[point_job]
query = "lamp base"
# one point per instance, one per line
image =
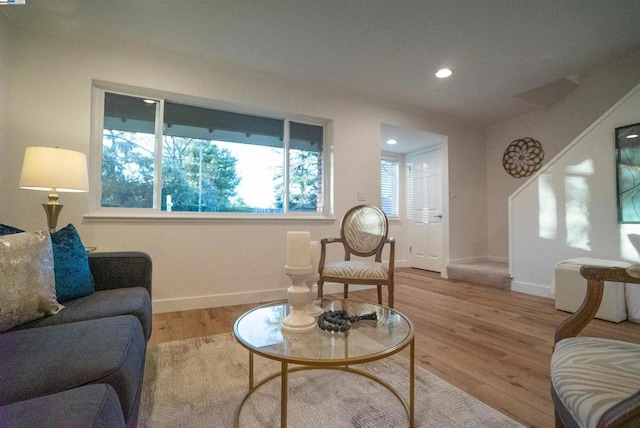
(53, 211)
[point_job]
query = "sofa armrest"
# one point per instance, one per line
(121, 269)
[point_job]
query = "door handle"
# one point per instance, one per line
(438, 216)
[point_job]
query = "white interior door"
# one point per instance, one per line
(424, 209)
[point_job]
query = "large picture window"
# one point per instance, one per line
(166, 156)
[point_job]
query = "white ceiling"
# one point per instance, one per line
(501, 51)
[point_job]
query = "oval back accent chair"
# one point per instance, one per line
(595, 382)
(363, 233)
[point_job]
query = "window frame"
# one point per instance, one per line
(99, 213)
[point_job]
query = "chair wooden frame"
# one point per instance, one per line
(349, 251)
(627, 412)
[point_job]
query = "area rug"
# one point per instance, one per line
(199, 383)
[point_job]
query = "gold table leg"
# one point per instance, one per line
(284, 387)
(250, 370)
(412, 369)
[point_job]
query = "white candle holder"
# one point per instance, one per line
(311, 307)
(298, 320)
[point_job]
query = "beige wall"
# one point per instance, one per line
(4, 82)
(569, 209)
(222, 262)
(599, 89)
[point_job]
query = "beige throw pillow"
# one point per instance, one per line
(27, 279)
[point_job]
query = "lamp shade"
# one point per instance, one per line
(46, 168)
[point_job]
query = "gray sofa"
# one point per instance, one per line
(83, 366)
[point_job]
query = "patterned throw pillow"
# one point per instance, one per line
(71, 263)
(27, 280)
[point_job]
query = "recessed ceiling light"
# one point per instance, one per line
(443, 73)
(391, 142)
(632, 136)
(149, 101)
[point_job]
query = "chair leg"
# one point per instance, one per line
(390, 286)
(320, 284)
(379, 294)
(346, 291)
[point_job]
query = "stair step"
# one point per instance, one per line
(493, 274)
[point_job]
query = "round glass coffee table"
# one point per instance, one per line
(259, 331)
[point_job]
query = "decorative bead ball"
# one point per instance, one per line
(340, 320)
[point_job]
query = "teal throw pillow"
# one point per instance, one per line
(71, 265)
(8, 230)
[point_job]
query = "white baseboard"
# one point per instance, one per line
(534, 289)
(230, 299)
(400, 263)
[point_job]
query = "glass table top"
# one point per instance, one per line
(259, 331)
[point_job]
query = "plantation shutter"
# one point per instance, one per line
(389, 187)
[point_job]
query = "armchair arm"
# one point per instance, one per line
(121, 269)
(323, 250)
(392, 254)
(596, 277)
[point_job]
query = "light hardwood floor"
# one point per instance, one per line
(494, 344)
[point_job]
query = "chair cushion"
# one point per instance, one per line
(590, 375)
(87, 406)
(46, 360)
(356, 270)
(106, 303)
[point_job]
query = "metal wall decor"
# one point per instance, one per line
(628, 173)
(523, 157)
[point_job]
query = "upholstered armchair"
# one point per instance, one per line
(595, 382)
(363, 233)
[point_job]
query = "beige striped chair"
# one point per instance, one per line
(595, 382)
(363, 233)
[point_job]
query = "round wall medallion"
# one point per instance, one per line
(523, 157)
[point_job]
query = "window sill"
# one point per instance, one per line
(193, 218)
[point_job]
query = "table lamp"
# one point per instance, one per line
(54, 170)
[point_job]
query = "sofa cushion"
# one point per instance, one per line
(73, 277)
(106, 303)
(46, 360)
(26, 278)
(87, 406)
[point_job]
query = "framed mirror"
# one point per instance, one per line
(628, 173)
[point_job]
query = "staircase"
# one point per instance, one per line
(493, 274)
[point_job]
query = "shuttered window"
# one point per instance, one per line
(389, 173)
